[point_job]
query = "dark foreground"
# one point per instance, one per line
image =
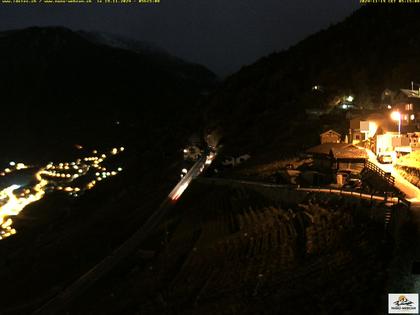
(231, 250)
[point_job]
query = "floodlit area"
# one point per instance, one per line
(411, 191)
(73, 178)
(188, 175)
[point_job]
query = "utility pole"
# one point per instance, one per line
(415, 84)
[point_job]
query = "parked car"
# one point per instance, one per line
(385, 159)
(353, 183)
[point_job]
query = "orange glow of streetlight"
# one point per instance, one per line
(396, 116)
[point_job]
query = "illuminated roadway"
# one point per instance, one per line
(411, 191)
(194, 171)
(72, 178)
(59, 302)
(402, 269)
(409, 281)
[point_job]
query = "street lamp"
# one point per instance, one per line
(397, 116)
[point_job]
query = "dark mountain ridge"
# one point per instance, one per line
(119, 41)
(59, 89)
(56, 46)
(375, 48)
(69, 87)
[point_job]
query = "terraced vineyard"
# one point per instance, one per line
(234, 250)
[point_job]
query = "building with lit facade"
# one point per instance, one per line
(407, 103)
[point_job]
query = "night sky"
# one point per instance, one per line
(220, 34)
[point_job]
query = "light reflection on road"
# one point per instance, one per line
(195, 170)
(73, 178)
(412, 192)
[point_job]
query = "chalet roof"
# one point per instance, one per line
(350, 152)
(331, 131)
(325, 148)
(410, 93)
(339, 151)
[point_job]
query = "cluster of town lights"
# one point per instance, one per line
(52, 177)
(13, 166)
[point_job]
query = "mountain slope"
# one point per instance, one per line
(375, 48)
(58, 89)
(59, 82)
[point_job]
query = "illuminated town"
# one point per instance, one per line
(203, 158)
(387, 134)
(73, 178)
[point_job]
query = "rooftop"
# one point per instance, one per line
(339, 151)
(326, 148)
(331, 131)
(350, 152)
(411, 93)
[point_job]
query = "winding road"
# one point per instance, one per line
(64, 298)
